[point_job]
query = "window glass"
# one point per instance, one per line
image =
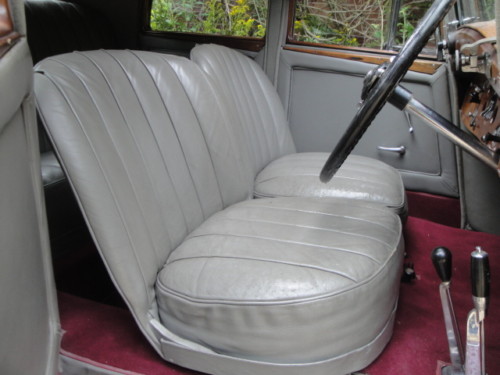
(487, 9)
(355, 23)
(242, 18)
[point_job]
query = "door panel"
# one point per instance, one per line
(29, 336)
(321, 93)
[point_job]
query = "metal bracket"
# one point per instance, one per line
(471, 62)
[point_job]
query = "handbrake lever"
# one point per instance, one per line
(480, 280)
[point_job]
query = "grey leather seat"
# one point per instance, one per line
(279, 170)
(217, 282)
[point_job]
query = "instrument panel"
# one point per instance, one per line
(480, 114)
(476, 63)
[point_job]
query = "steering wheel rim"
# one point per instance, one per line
(378, 95)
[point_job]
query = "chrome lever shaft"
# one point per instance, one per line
(452, 333)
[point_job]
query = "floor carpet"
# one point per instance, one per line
(419, 340)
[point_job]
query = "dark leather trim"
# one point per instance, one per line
(56, 27)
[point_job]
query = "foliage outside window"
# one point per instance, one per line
(355, 23)
(242, 18)
(487, 10)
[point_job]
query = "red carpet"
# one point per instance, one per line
(108, 334)
(436, 208)
(419, 339)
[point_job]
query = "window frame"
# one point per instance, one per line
(238, 42)
(291, 41)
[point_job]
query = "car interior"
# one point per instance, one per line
(249, 187)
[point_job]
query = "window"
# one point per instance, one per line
(239, 18)
(357, 23)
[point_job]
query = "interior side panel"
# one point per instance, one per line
(321, 95)
(28, 313)
(29, 342)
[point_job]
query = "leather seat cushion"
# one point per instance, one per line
(359, 178)
(286, 280)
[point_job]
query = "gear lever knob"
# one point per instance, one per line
(480, 273)
(441, 258)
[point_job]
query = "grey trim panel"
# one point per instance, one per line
(28, 316)
(319, 90)
(480, 196)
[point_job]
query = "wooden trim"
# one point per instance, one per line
(248, 44)
(8, 37)
(6, 42)
(354, 49)
(6, 25)
(487, 28)
(291, 21)
(420, 66)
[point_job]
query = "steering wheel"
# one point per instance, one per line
(380, 83)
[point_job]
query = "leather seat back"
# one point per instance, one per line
(136, 154)
(257, 103)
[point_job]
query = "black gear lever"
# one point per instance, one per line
(441, 258)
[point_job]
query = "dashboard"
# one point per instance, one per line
(476, 64)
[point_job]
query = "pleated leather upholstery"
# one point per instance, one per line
(260, 112)
(132, 147)
(359, 178)
(285, 280)
(205, 270)
(262, 119)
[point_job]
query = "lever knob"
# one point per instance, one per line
(441, 258)
(480, 273)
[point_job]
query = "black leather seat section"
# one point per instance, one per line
(55, 27)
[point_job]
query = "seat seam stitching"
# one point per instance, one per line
(176, 133)
(263, 260)
(284, 241)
